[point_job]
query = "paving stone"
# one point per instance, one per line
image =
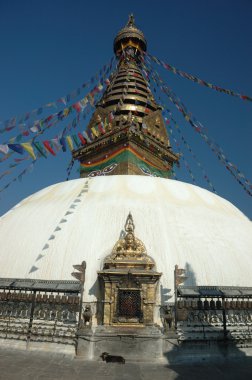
(30, 365)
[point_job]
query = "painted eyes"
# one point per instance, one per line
(104, 171)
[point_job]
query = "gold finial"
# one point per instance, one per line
(130, 240)
(131, 21)
(129, 225)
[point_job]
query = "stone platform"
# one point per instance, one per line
(149, 344)
(139, 343)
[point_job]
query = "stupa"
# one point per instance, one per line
(126, 259)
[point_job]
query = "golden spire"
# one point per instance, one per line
(127, 128)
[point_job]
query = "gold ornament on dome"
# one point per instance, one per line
(129, 251)
(129, 282)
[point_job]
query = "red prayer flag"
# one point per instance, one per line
(48, 147)
(101, 129)
(82, 139)
(77, 107)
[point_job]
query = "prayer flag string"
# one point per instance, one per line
(199, 128)
(52, 120)
(205, 176)
(194, 79)
(21, 121)
(28, 169)
(181, 154)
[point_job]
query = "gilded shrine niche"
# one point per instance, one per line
(129, 282)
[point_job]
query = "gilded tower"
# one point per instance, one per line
(127, 128)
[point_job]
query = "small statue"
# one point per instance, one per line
(87, 316)
(168, 318)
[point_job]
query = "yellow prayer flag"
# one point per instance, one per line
(29, 149)
(94, 131)
(66, 111)
(69, 142)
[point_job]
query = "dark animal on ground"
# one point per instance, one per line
(112, 358)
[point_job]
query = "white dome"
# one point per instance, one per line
(64, 224)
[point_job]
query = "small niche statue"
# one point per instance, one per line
(168, 318)
(87, 316)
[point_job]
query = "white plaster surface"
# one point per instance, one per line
(178, 223)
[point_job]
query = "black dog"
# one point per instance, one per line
(112, 358)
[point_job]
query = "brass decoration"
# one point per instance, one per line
(156, 127)
(130, 33)
(129, 281)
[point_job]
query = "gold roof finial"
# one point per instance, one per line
(130, 240)
(131, 22)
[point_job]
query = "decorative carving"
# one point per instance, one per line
(156, 127)
(129, 250)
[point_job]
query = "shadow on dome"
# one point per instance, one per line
(190, 274)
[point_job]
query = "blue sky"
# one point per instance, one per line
(49, 48)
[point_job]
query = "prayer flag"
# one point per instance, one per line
(62, 141)
(86, 136)
(69, 142)
(84, 101)
(101, 128)
(39, 148)
(94, 131)
(35, 128)
(77, 106)
(83, 141)
(48, 147)
(100, 87)
(74, 137)
(4, 148)
(17, 148)
(66, 111)
(56, 144)
(29, 149)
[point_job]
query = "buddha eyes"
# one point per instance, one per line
(109, 168)
(104, 171)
